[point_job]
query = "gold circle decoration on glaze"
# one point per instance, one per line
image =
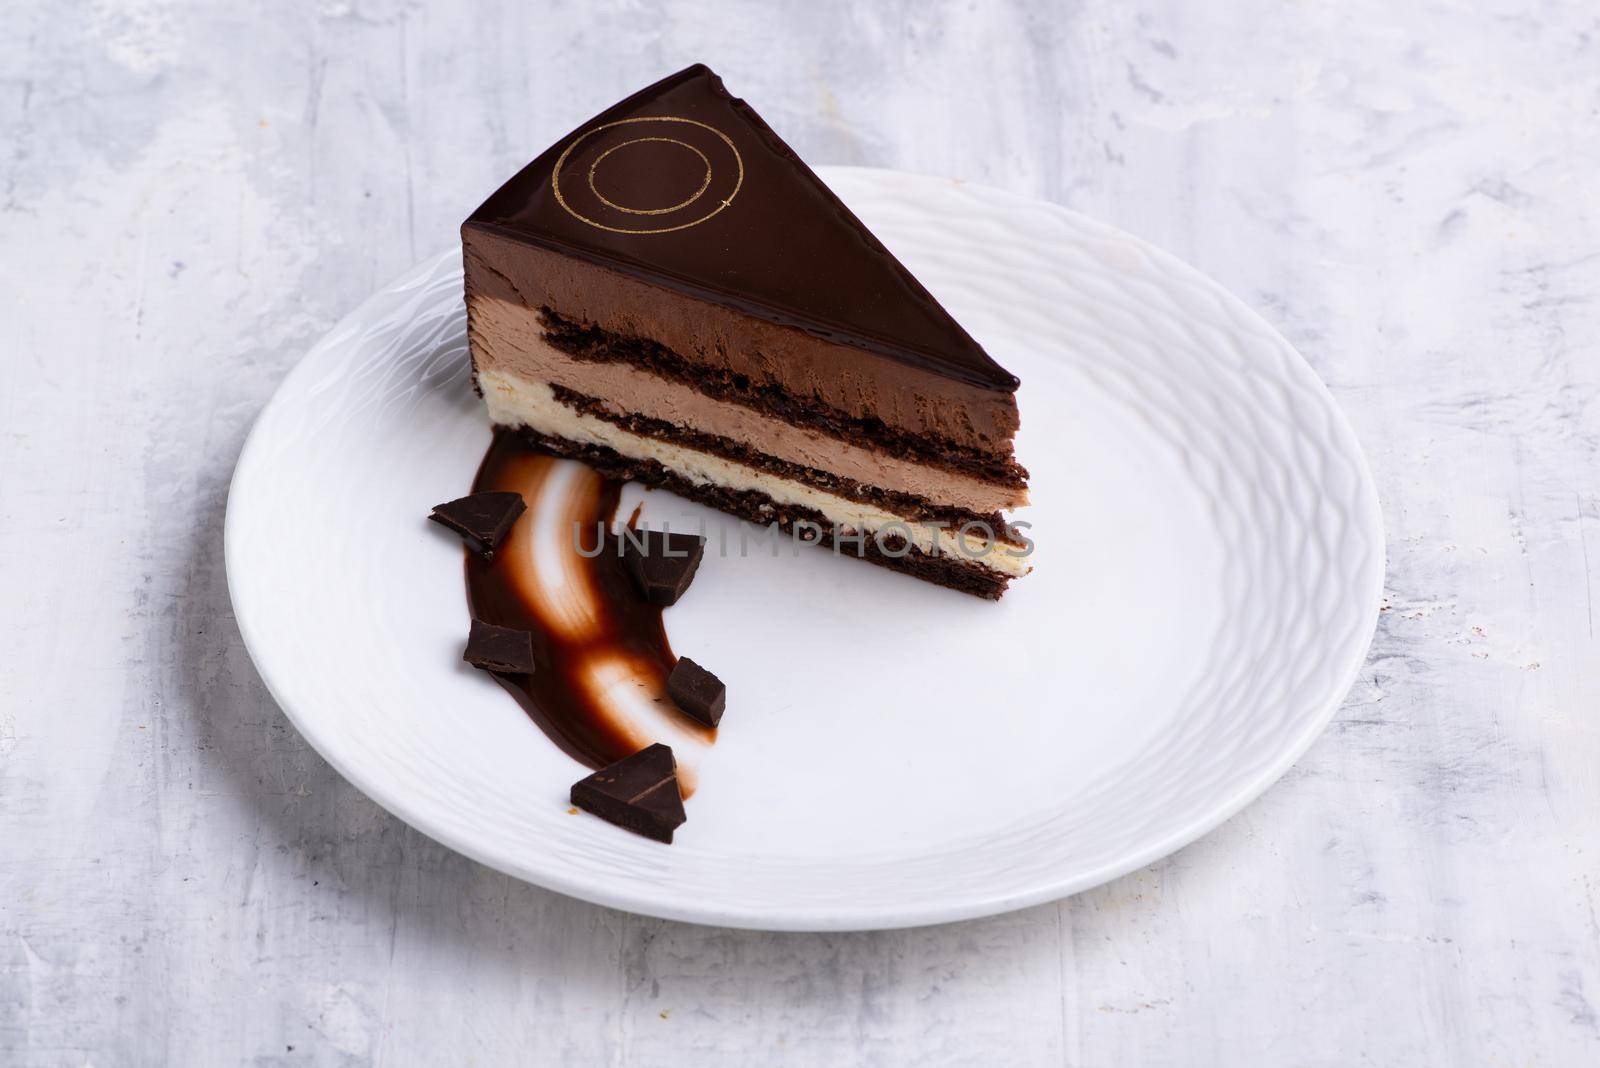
(705, 183)
(651, 214)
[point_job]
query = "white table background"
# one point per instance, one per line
(191, 192)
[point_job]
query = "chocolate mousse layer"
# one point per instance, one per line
(605, 314)
(586, 341)
(911, 507)
(504, 349)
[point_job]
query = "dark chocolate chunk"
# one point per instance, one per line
(662, 564)
(699, 693)
(638, 793)
(506, 650)
(482, 519)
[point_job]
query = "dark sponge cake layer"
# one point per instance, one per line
(944, 570)
(588, 341)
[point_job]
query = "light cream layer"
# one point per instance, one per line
(500, 330)
(514, 401)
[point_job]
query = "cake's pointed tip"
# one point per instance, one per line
(690, 73)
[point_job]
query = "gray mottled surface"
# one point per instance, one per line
(190, 193)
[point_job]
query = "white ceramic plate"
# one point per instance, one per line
(1206, 584)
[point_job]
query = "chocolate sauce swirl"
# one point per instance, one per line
(600, 691)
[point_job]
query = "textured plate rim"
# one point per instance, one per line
(910, 914)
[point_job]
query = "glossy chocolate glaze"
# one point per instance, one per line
(587, 621)
(685, 186)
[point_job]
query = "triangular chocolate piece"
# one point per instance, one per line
(686, 187)
(482, 519)
(638, 793)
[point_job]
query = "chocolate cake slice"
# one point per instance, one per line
(671, 295)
